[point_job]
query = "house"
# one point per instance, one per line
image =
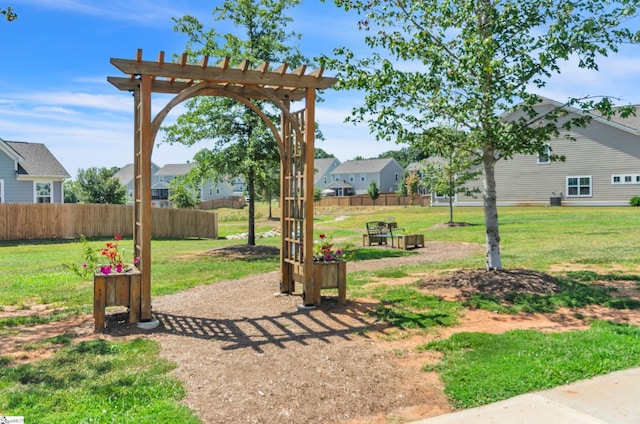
(160, 189)
(29, 173)
(126, 174)
(210, 190)
(322, 171)
(602, 167)
(419, 169)
(355, 176)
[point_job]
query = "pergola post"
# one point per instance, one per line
(143, 174)
(312, 296)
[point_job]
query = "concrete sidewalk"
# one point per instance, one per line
(610, 399)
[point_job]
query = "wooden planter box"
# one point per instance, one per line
(116, 290)
(330, 275)
(406, 240)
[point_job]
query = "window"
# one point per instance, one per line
(363, 177)
(625, 179)
(337, 177)
(579, 186)
(43, 192)
(324, 180)
(396, 176)
(1, 191)
(544, 157)
(352, 178)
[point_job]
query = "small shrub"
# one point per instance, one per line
(635, 201)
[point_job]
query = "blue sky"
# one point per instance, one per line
(55, 63)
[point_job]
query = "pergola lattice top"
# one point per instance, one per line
(172, 77)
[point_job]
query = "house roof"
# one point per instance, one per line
(363, 166)
(339, 184)
(631, 122)
(125, 174)
(415, 166)
(631, 125)
(38, 160)
(321, 166)
(175, 169)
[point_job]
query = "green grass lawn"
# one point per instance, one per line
(603, 242)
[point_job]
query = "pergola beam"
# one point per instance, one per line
(176, 86)
(243, 76)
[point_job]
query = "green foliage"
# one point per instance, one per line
(71, 192)
(635, 201)
(373, 190)
(475, 70)
(243, 144)
(92, 381)
(405, 155)
(9, 14)
(318, 153)
(98, 185)
(182, 195)
(481, 368)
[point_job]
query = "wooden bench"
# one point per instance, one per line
(406, 240)
(379, 232)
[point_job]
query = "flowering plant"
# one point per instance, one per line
(114, 255)
(323, 250)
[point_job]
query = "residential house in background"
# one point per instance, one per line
(322, 172)
(126, 174)
(602, 167)
(355, 176)
(418, 168)
(29, 173)
(210, 190)
(160, 190)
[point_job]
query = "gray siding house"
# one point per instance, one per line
(354, 176)
(126, 174)
(210, 190)
(323, 167)
(602, 167)
(29, 173)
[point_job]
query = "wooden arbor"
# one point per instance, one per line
(295, 141)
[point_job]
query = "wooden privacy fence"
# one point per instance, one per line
(23, 221)
(232, 202)
(385, 199)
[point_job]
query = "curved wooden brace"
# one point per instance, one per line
(205, 88)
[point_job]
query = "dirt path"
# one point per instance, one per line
(248, 355)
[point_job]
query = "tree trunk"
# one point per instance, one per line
(490, 209)
(451, 194)
(251, 238)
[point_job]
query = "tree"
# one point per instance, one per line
(98, 185)
(470, 64)
(373, 191)
(9, 14)
(318, 153)
(404, 156)
(71, 190)
(243, 145)
(182, 195)
(453, 165)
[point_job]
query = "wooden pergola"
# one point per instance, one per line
(245, 84)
